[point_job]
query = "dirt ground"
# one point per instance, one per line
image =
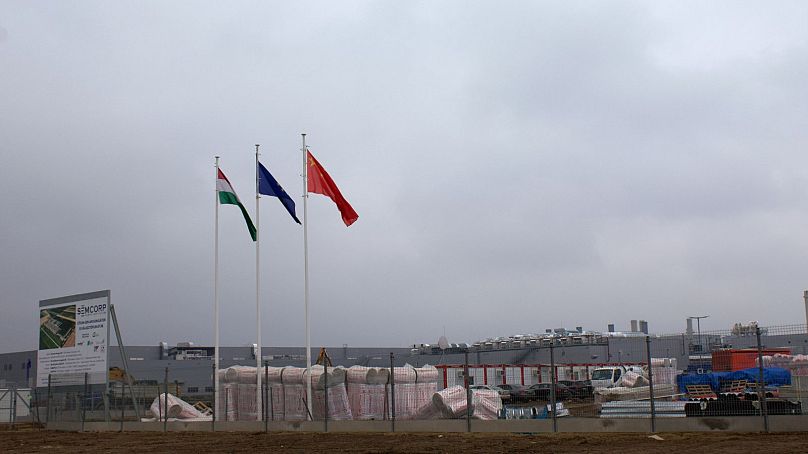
(29, 439)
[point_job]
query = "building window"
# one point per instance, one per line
(193, 389)
(208, 389)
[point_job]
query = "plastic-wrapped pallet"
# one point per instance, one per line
(367, 402)
(429, 411)
(366, 395)
(237, 393)
(338, 407)
(414, 387)
(633, 379)
(407, 402)
(486, 404)
(294, 407)
(452, 401)
(240, 374)
(274, 385)
(294, 394)
(228, 398)
(796, 364)
(177, 408)
(336, 376)
(246, 405)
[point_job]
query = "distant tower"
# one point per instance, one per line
(611, 327)
(805, 297)
(644, 326)
(689, 326)
(634, 327)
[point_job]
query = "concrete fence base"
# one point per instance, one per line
(725, 424)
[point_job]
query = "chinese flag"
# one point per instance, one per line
(321, 183)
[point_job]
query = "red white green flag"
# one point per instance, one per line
(227, 196)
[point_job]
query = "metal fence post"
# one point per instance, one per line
(213, 403)
(165, 400)
(48, 405)
(12, 410)
(392, 394)
(553, 385)
(264, 406)
(650, 383)
(226, 403)
(123, 405)
(34, 389)
(325, 396)
(84, 402)
(761, 383)
(159, 416)
(468, 391)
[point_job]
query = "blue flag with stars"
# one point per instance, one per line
(268, 185)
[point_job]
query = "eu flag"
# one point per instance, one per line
(268, 185)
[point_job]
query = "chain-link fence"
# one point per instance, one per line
(747, 372)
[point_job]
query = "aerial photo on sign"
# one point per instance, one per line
(57, 327)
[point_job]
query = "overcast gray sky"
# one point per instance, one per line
(516, 165)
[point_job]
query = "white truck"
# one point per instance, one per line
(612, 376)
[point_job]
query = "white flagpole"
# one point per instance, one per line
(306, 271)
(216, 406)
(258, 389)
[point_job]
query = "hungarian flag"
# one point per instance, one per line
(321, 183)
(227, 196)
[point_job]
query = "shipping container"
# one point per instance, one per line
(732, 359)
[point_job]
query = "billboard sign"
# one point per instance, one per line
(73, 339)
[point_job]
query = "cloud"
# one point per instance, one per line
(515, 166)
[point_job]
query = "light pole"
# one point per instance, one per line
(698, 328)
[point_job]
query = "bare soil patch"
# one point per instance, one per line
(34, 440)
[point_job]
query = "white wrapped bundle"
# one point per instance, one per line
(246, 405)
(666, 375)
(293, 376)
(293, 407)
(177, 408)
(428, 410)
(338, 407)
(240, 374)
(426, 374)
(158, 407)
(640, 392)
(486, 403)
(799, 365)
(379, 376)
(404, 374)
(228, 401)
(423, 394)
(274, 374)
(367, 402)
(358, 374)
(451, 401)
(406, 400)
(336, 377)
(633, 379)
(410, 397)
(276, 397)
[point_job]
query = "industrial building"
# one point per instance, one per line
(190, 365)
